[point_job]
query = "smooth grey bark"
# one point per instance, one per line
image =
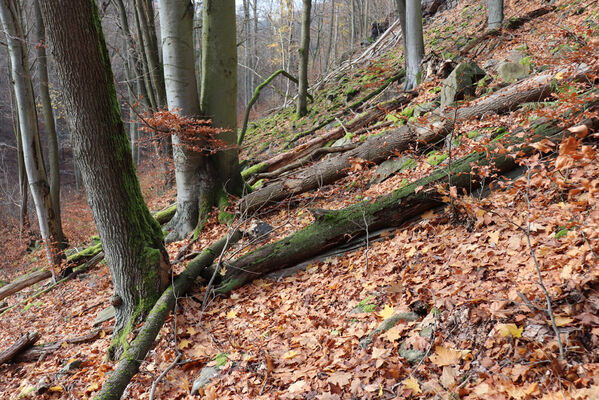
(41, 67)
(218, 99)
(22, 173)
(176, 24)
(32, 151)
(414, 43)
(145, 12)
(304, 50)
(495, 14)
(331, 38)
(131, 238)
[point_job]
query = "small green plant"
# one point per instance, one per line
(221, 359)
(366, 306)
(561, 233)
(435, 158)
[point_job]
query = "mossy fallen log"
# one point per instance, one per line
(165, 215)
(366, 118)
(335, 227)
(133, 356)
(380, 148)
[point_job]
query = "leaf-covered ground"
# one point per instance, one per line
(467, 269)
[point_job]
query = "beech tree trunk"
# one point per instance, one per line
(46, 106)
(32, 152)
(118, 380)
(130, 236)
(218, 100)
(414, 43)
(176, 24)
(304, 51)
(495, 14)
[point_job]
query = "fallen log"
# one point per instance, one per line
(24, 282)
(338, 226)
(368, 117)
(71, 274)
(379, 148)
(352, 106)
(510, 24)
(25, 341)
(36, 353)
(299, 163)
(134, 354)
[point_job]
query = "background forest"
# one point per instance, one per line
(316, 199)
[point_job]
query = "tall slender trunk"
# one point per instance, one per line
(302, 101)
(131, 237)
(218, 99)
(414, 43)
(331, 39)
(495, 14)
(176, 24)
(145, 13)
(46, 106)
(32, 152)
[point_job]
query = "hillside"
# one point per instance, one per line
(448, 302)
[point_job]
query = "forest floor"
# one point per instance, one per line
(469, 269)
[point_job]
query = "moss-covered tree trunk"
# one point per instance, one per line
(339, 226)
(218, 99)
(131, 237)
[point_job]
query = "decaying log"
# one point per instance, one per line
(133, 356)
(37, 353)
(393, 210)
(379, 148)
(351, 107)
(299, 163)
(510, 24)
(25, 341)
(24, 282)
(370, 116)
(517, 22)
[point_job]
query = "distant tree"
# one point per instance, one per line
(131, 237)
(304, 50)
(41, 66)
(10, 16)
(495, 14)
(410, 15)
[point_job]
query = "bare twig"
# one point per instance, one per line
(538, 268)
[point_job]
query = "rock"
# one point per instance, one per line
(490, 64)
(512, 72)
(259, 229)
(104, 315)
(423, 108)
(410, 354)
(345, 140)
(206, 375)
(460, 82)
(70, 367)
(391, 166)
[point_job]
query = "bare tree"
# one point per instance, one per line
(304, 50)
(32, 151)
(495, 17)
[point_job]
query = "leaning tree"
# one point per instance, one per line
(131, 237)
